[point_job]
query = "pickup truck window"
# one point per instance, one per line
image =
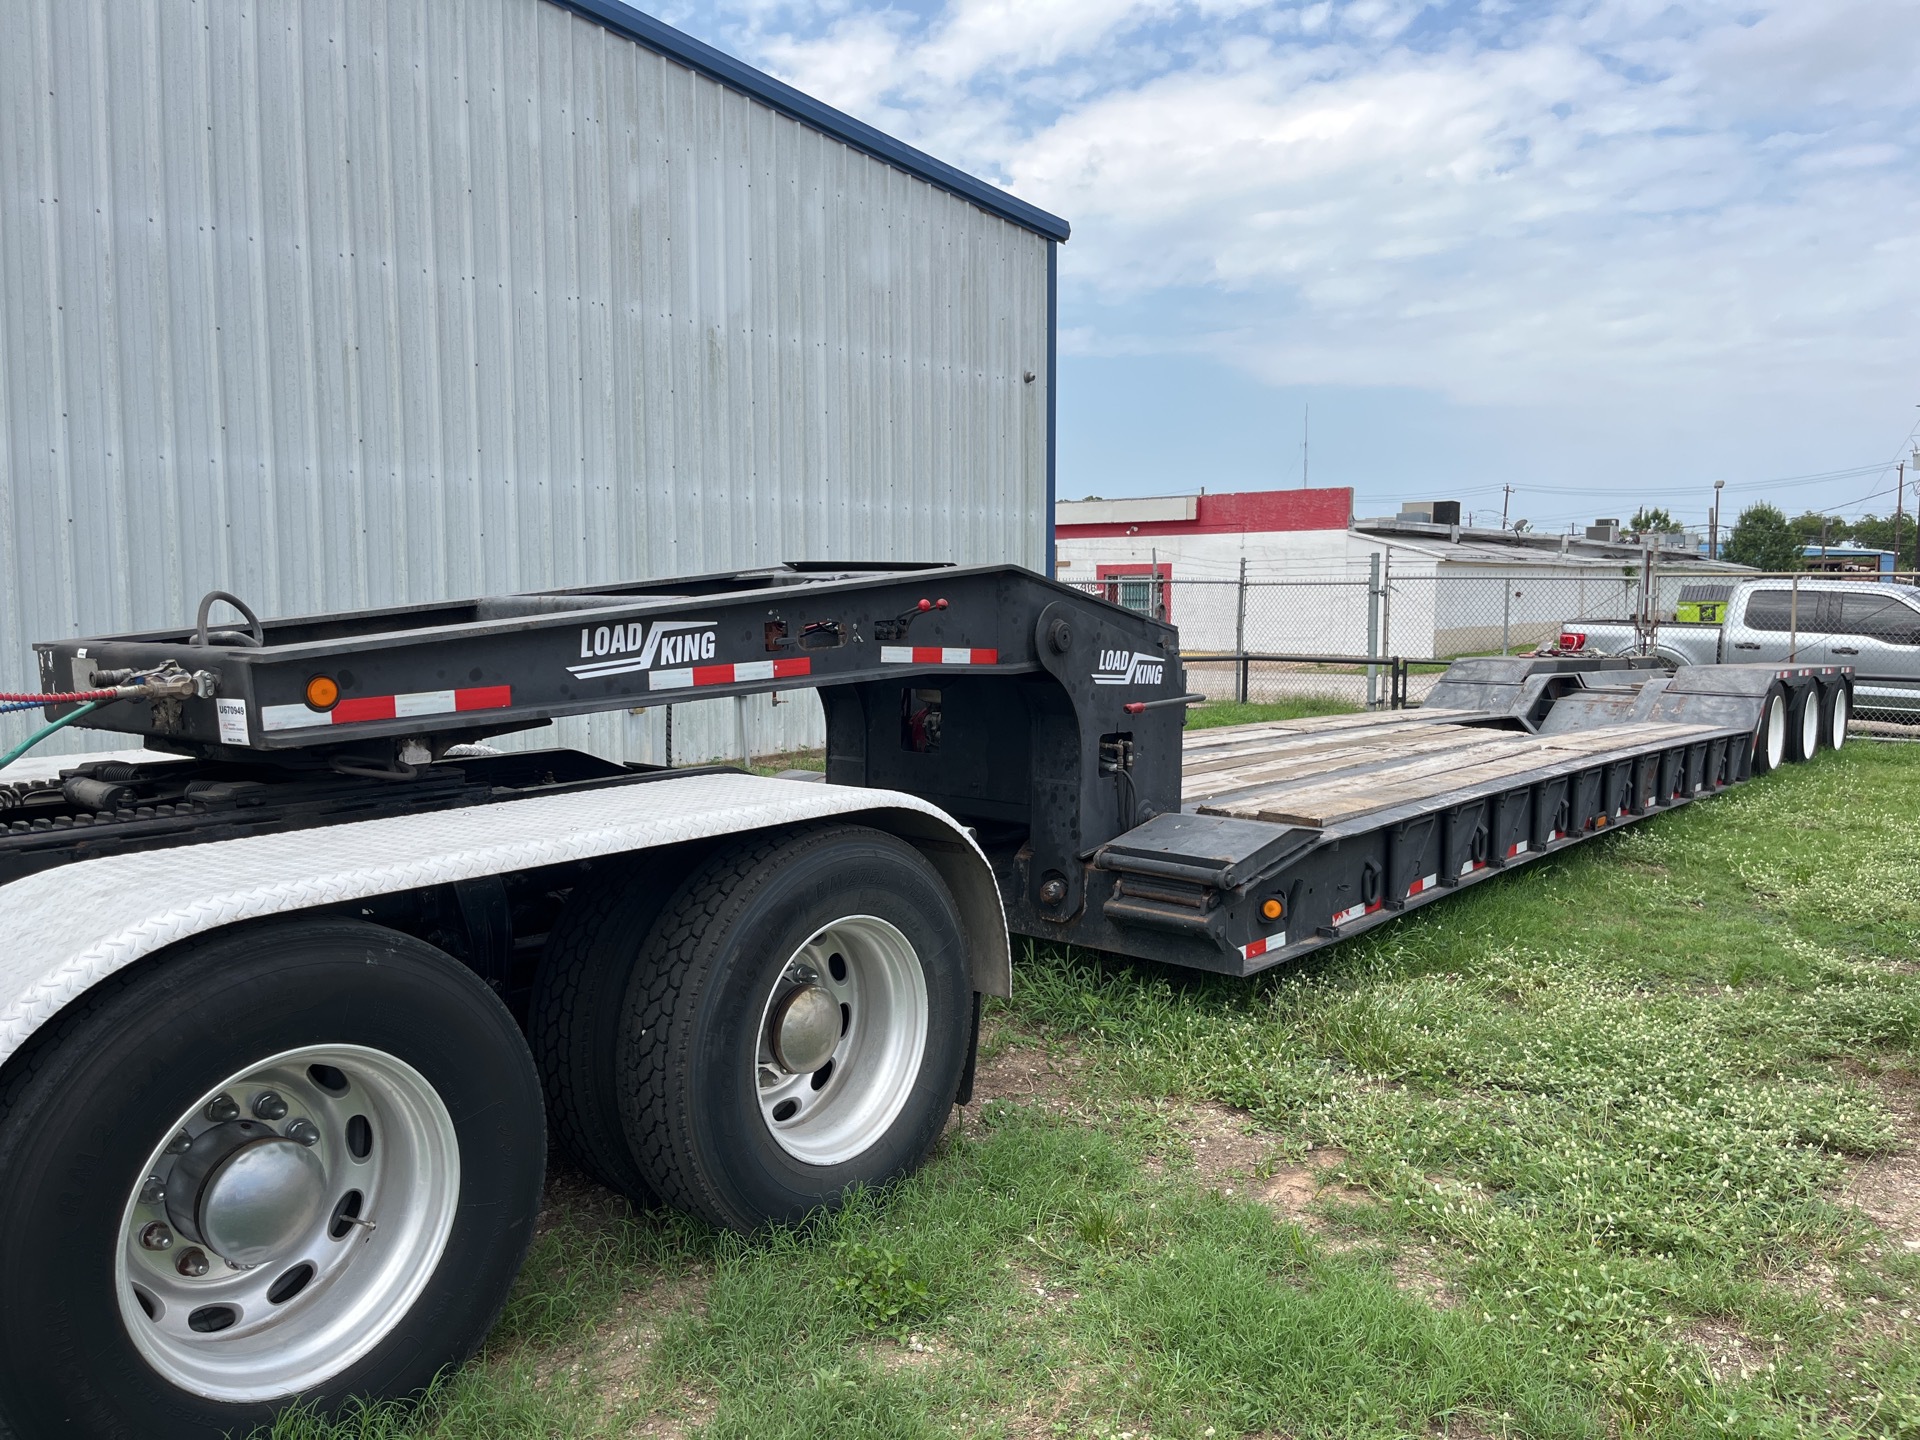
(1879, 617)
(1774, 610)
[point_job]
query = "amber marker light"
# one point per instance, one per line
(322, 693)
(1272, 909)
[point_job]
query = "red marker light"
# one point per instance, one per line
(940, 604)
(1134, 707)
(926, 605)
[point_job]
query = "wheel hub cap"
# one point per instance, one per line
(262, 1199)
(806, 1029)
(246, 1191)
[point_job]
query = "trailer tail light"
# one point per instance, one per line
(322, 692)
(1573, 640)
(1272, 908)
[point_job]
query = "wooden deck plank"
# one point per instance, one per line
(1219, 735)
(1241, 772)
(1344, 797)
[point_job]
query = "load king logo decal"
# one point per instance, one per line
(1129, 667)
(634, 646)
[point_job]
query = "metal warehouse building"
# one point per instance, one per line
(364, 302)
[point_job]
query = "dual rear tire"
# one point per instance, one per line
(791, 1022)
(303, 1160)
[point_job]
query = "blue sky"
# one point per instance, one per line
(1604, 251)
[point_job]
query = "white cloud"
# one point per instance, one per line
(1599, 197)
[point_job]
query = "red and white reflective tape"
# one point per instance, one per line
(355, 708)
(1473, 865)
(742, 673)
(1355, 912)
(1422, 885)
(1254, 949)
(936, 655)
(1553, 835)
(1519, 847)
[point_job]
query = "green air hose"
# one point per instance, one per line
(44, 731)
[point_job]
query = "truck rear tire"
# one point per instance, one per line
(798, 1026)
(294, 1161)
(1770, 736)
(578, 1007)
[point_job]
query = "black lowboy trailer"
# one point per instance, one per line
(290, 994)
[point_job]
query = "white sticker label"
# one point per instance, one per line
(233, 721)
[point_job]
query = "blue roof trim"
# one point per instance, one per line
(677, 45)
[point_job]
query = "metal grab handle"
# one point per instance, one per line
(256, 640)
(1746, 644)
(1845, 650)
(1135, 707)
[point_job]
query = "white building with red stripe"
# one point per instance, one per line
(1199, 544)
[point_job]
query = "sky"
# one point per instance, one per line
(1605, 252)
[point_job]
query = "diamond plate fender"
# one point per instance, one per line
(69, 928)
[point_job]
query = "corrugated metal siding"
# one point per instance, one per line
(375, 301)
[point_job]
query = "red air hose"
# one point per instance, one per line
(73, 699)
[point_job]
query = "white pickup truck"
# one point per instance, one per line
(1871, 625)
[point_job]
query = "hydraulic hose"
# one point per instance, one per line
(45, 730)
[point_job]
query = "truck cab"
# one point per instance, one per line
(1873, 627)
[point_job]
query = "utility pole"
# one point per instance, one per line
(1899, 496)
(1713, 525)
(1306, 418)
(1506, 496)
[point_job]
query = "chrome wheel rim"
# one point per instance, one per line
(332, 1173)
(1776, 737)
(1810, 727)
(826, 1111)
(1839, 721)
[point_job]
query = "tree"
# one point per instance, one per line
(1873, 533)
(1652, 522)
(1811, 529)
(1762, 538)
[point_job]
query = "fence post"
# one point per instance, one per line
(1793, 623)
(1386, 597)
(1506, 616)
(1373, 629)
(1240, 630)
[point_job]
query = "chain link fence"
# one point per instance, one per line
(1379, 635)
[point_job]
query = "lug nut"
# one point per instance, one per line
(305, 1131)
(192, 1263)
(222, 1108)
(180, 1144)
(153, 1191)
(269, 1106)
(156, 1237)
(1053, 892)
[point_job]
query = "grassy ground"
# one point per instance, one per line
(1622, 1144)
(1235, 712)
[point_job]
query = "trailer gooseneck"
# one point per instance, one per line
(348, 963)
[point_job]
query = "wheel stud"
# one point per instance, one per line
(156, 1237)
(222, 1108)
(305, 1131)
(192, 1263)
(269, 1106)
(153, 1191)
(180, 1144)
